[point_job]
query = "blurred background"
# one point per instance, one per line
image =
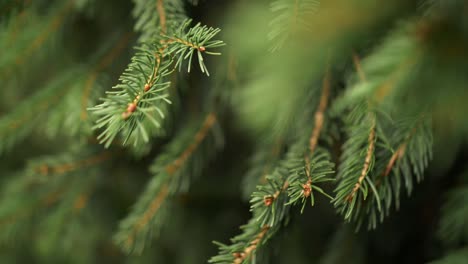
(65, 197)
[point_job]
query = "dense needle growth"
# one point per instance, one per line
(141, 131)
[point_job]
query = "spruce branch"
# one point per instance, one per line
(30, 40)
(155, 18)
(357, 164)
(386, 70)
(315, 167)
(269, 208)
(100, 66)
(21, 121)
(270, 204)
(141, 99)
(173, 169)
(388, 153)
(187, 40)
(305, 179)
(367, 160)
(43, 186)
(55, 168)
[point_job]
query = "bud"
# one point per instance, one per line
(268, 200)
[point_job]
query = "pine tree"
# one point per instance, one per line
(141, 131)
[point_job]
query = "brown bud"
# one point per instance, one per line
(131, 107)
(248, 250)
(236, 254)
(268, 200)
(201, 48)
(147, 87)
(306, 190)
(125, 115)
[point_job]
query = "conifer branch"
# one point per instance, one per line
(142, 93)
(319, 114)
(52, 26)
(367, 161)
(371, 139)
(58, 169)
(199, 137)
(162, 16)
(155, 18)
(46, 201)
(170, 172)
(240, 257)
(104, 63)
(271, 202)
(171, 169)
(151, 211)
(17, 124)
(395, 157)
(38, 195)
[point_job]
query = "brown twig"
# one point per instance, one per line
(319, 117)
(239, 257)
(171, 169)
(68, 167)
(269, 199)
(162, 16)
(201, 134)
(367, 161)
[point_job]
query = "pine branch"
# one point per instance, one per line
(103, 64)
(269, 208)
(21, 121)
(141, 99)
(187, 40)
(182, 160)
(356, 164)
(315, 167)
(270, 204)
(44, 186)
(29, 40)
(71, 113)
(389, 155)
(307, 176)
(155, 18)
(413, 138)
(386, 70)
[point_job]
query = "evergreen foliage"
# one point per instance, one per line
(122, 140)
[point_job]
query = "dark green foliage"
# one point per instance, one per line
(172, 171)
(377, 88)
(139, 104)
(18, 124)
(149, 68)
(307, 174)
